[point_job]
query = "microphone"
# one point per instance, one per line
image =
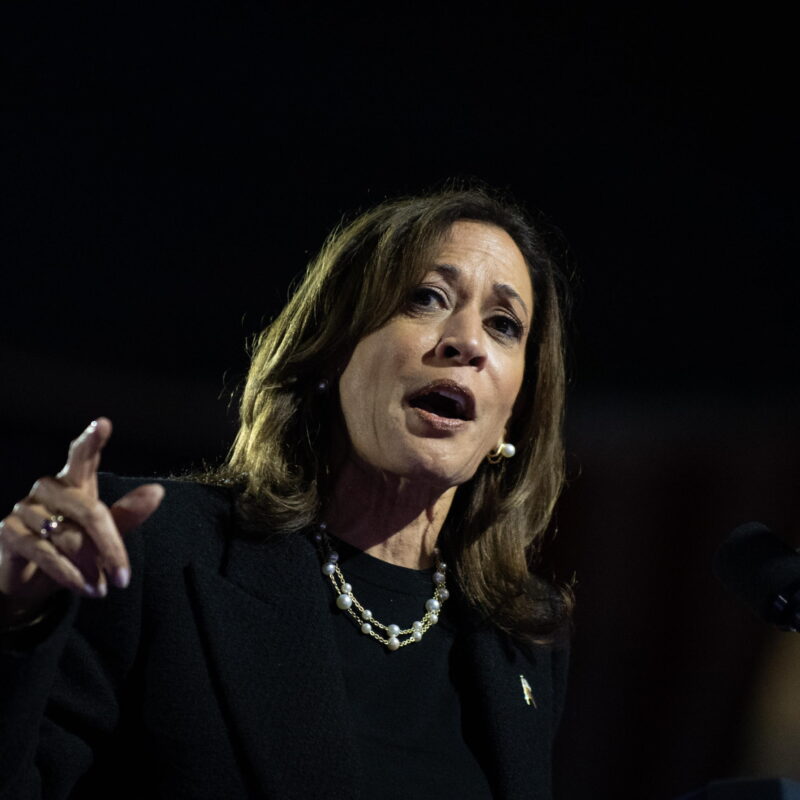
(764, 572)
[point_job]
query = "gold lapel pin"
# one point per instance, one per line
(527, 693)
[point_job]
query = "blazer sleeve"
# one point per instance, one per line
(62, 685)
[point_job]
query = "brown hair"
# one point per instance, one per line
(283, 452)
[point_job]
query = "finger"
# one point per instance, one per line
(20, 543)
(37, 518)
(134, 508)
(69, 540)
(83, 459)
(91, 515)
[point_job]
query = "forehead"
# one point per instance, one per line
(486, 253)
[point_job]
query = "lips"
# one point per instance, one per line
(444, 398)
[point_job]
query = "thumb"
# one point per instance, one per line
(134, 508)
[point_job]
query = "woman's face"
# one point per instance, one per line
(429, 394)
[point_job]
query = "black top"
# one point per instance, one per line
(218, 673)
(414, 739)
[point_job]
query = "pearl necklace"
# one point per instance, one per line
(388, 635)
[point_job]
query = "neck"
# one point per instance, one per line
(395, 519)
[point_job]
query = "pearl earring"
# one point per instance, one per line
(322, 386)
(503, 450)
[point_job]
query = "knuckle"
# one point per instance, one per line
(8, 533)
(96, 514)
(21, 508)
(71, 537)
(42, 485)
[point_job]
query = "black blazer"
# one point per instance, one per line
(216, 675)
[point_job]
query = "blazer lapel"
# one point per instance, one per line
(514, 691)
(278, 669)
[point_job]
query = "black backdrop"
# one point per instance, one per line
(168, 168)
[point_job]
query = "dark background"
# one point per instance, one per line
(169, 168)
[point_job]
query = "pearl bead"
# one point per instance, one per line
(416, 636)
(443, 594)
(328, 568)
(333, 557)
(508, 450)
(438, 577)
(323, 526)
(317, 537)
(392, 630)
(347, 588)
(417, 626)
(432, 604)
(393, 643)
(366, 614)
(366, 628)
(344, 601)
(434, 618)
(441, 566)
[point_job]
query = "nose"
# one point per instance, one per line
(463, 340)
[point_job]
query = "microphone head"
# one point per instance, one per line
(759, 568)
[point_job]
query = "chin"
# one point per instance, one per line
(439, 470)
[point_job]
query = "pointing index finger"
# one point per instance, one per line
(84, 455)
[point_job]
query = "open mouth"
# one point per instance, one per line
(446, 399)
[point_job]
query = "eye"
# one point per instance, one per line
(507, 326)
(425, 298)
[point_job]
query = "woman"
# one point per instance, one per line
(346, 606)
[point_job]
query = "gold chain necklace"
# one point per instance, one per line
(388, 635)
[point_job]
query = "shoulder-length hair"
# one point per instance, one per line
(284, 453)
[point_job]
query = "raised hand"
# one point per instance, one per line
(63, 535)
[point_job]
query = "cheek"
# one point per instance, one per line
(363, 382)
(353, 391)
(509, 388)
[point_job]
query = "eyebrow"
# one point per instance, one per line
(506, 290)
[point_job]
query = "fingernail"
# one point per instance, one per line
(90, 590)
(122, 577)
(91, 426)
